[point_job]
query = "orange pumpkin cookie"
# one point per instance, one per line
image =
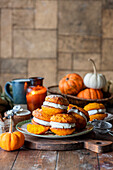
(62, 124)
(96, 111)
(39, 118)
(55, 104)
(38, 113)
(36, 129)
(90, 94)
(81, 115)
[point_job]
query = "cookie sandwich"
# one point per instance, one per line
(40, 124)
(40, 119)
(55, 104)
(96, 111)
(63, 124)
(81, 116)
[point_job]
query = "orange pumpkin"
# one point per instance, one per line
(71, 84)
(11, 141)
(90, 94)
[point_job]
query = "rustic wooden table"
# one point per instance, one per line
(24, 159)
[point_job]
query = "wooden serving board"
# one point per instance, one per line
(98, 146)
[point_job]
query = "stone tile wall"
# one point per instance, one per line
(51, 38)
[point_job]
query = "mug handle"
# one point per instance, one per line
(7, 90)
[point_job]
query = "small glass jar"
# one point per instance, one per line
(36, 93)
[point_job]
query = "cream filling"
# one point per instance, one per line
(42, 122)
(78, 112)
(62, 125)
(93, 112)
(57, 106)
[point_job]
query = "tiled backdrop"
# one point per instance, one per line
(51, 38)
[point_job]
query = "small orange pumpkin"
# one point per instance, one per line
(10, 141)
(90, 94)
(71, 84)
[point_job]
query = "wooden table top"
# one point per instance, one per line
(83, 159)
(55, 160)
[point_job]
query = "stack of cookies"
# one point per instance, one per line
(58, 116)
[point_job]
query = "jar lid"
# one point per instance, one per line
(18, 111)
(23, 113)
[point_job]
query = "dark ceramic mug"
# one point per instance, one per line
(19, 86)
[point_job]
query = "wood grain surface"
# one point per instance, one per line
(80, 159)
(32, 159)
(106, 161)
(49, 160)
(7, 159)
(83, 159)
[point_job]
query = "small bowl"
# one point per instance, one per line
(21, 116)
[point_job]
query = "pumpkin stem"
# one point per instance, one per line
(11, 125)
(94, 66)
